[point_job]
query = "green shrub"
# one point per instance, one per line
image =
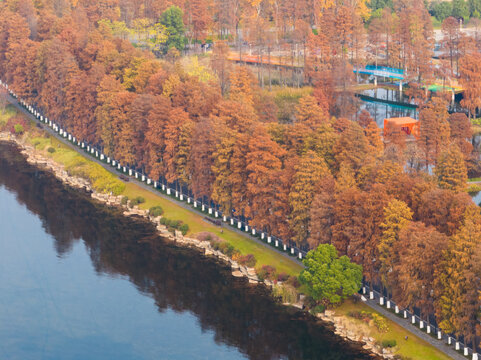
(287, 293)
(225, 248)
(124, 200)
(184, 229)
(19, 129)
(293, 281)
(361, 315)
(138, 200)
(267, 272)
(156, 211)
(380, 323)
(389, 343)
(248, 260)
(51, 150)
(319, 309)
(175, 223)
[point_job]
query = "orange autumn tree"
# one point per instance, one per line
(264, 164)
(309, 172)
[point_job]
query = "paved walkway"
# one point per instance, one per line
(449, 351)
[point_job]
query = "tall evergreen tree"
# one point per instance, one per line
(458, 281)
(309, 172)
(451, 170)
(396, 217)
(172, 20)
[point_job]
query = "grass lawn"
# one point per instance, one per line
(6, 113)
(245, 245)
(413, 348)
(436, 23)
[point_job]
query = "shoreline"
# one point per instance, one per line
(33, 157)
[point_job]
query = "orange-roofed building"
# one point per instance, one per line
(407, 125)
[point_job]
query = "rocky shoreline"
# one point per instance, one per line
(344, 331)
(35, 158)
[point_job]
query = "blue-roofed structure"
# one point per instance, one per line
(381, 71)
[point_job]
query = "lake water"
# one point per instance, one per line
(80, 281)
(380, 110)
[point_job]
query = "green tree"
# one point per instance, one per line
(379, 4)
(451, 170)
(329, 278)
(171, 19)
(396, 216)
(441, 10)
(460, 10)
(474, 7)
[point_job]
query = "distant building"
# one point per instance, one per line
(407, 125)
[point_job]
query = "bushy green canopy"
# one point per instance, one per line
(330, 278)
(174, 25)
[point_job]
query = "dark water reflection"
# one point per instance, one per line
(76, 301)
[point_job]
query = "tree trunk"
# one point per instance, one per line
(270, 65)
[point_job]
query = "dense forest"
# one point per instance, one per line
(302, 164)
